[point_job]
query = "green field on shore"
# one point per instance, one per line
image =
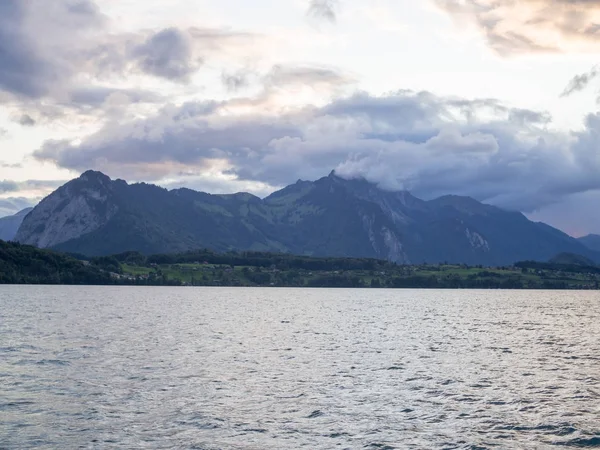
(426, 276)
(22, 264)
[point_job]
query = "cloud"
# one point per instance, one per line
(307, 75)
(11, 165)
(192, 139)
(3, 133)
(48, 45)
(18, 195)
(19, 63)
(237, 80)
(172, 54)
(26, 120)
(8, 186)
(290, 84)
(62, 59)
(216, 183)
(572, 214)
(168, 54)
(37, 39)
(531, 26)
(580, 82)
(323, 9)
(418, 141)
(12, 205)
(100, 95)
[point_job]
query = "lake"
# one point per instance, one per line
(238, 368)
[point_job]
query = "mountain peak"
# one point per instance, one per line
(77, 208)
(94, 175)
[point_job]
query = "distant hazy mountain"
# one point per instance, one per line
(332, 216)
(591, 241)
(10, 224)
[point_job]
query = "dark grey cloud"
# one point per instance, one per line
(98, 95)
(8, 186)
(187, 131)
(142, 148)
(82, 102)
(22, 70)
(11, 165)
(529, 26)
(41, 184)
(323, 9)
(580, 82)
(46, 44)
(60, 59)
(26, 120)
(172, 53)
(168, 54)
(31, 35)
(408, 140)
(236, 80)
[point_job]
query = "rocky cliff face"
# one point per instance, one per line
(77, 208)
(331, 216)
(10, 225)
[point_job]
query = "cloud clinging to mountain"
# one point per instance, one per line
(428, 144)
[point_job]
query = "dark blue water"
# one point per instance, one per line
(220, 368)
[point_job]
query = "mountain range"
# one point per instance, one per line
(94, 215)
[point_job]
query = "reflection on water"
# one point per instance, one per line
(216, 368)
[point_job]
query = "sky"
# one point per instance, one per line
(493, 99)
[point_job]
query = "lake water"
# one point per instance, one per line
(235, 368)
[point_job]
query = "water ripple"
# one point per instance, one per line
(212, 368)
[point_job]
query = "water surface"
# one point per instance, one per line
(235, 368)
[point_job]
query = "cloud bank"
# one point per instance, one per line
(428, 144)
